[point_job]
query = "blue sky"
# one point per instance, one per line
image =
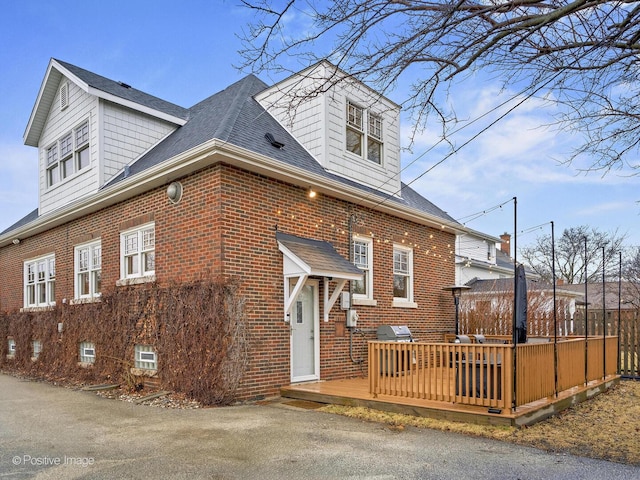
(185, 51)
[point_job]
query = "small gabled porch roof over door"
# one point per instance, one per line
(304, 258)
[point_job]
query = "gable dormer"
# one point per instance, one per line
(350, 129)
(87, 128)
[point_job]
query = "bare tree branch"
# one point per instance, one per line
(584, 54)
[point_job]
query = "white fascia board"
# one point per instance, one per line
(118, 100)
(293, 259)
(210, 153)
(333, 188)
(482, 236)
(45, 88)
(136, 106)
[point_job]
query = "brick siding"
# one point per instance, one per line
(225, 225)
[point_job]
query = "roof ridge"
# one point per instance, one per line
(244, 86)
(124, 91)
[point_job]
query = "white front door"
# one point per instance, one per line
(305, 335)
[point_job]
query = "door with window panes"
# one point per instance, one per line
(305, 336)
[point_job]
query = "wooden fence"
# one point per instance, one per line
(482, 374)
(627, 329)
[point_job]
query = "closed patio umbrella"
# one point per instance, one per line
(521, 305)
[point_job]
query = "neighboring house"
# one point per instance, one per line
(478, 258)
(624, 296)
(134, 189)
(489, 303)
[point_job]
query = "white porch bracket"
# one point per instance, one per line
(330, 302)
(290, 297)
(304, 258)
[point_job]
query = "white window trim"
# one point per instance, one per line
(365, 299)
(365, 130)
(401, 301)
(141, 275)
(85, 358)
(36, 348)
(49, 281)
(74, 155)
(147, 365)
(91, 246)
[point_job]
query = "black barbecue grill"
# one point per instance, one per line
(394, 363)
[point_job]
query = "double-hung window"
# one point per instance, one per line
(40, 281)
(137, 249)
(88, 270)
(364, 133)
(402, 274)
(68, 155)
(363, 259)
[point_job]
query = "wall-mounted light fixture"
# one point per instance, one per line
(312, 193)
(174, 192)
(16, 241)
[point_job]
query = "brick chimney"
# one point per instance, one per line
(505, 246)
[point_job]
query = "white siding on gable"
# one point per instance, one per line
(117, 137)
(81, 107)
(304, 119)
(476, 258)
(466, 272)
(126, 135)
(475, 248)
(319, 123)
(384, 177)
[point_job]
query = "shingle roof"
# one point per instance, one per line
(234, 116)
(124, 91)
(501, 285)
(23, 221)
(319, 256)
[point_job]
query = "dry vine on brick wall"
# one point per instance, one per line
(197, 329)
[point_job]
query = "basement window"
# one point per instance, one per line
(37, 348)
(87, 352)
(145, 357)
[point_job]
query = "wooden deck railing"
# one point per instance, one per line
(482, 374)
(471, 374)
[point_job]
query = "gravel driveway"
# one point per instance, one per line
(50, 432)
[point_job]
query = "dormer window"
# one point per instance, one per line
(68, 155)
(364, 133)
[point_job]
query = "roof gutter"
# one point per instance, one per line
(207, 154)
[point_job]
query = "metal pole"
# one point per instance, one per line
(619, 310)
(586, 315)
(515, 287)
(604, 320)
(456, 301)
(555, 319)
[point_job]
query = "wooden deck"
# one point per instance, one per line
(355, 392)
